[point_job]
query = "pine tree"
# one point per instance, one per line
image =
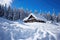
(1, 10)
(58, 17)
(5, 11)
(30, 11)
(14, 14)
(54, 17)
(27, 12)
(19, 12)
(35, 12)
(9, 13)
(22, 13)
(43, 14)
(48, 16)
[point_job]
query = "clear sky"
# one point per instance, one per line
(43, 5)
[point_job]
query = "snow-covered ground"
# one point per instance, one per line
(18, 30)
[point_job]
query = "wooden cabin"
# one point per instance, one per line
(34, 18)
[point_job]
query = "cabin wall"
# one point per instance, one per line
(34, 20)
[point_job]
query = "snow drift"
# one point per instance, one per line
(18, 30)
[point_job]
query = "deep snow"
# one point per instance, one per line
(18, 30)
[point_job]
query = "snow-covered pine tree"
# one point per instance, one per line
(43, 14)
(30, 11)
(14, 14)
(18, 14)
(27, 12)
(54, 17)
(1, 10)
(35, 12)
(48, 16)
(22, 13)
(9, 13)
(5, 11)
(58, 18)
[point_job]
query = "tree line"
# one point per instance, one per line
(15, 14)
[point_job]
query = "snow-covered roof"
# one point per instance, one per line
(36, 16)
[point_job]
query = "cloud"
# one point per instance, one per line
(7, 2)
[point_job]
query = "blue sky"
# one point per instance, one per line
(43, 5)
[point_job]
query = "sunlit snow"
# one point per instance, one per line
(18, 30)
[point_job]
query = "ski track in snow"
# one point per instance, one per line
(15, 30)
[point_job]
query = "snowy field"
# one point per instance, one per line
(18, 30)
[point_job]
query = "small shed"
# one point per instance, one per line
(34, 18)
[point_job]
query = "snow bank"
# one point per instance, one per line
(18, 30)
